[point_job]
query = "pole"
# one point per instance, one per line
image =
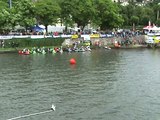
(10, 3)
(157, 14)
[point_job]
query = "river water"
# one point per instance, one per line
(120, 84)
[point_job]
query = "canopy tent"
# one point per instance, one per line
(151, 29)
(147, 27)
(37, 29)
(155, 28)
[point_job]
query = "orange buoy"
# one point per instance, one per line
(72, 61)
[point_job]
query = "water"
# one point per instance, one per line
(103, 85)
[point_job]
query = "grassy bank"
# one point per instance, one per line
(16, 44)
(28, 42)
(4, 50)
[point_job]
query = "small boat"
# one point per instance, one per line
(106, 47)
(117, 45)
(79, 50)
(88, 48)
(21, 52)
(43, 52)
(69, 50)
(61, 50)
(33, 52)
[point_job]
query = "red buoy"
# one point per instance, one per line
(72, 61)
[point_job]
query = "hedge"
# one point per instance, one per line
(28, 42)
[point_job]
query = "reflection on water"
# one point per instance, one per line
(103, 85)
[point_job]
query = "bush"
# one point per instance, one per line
(28, 42)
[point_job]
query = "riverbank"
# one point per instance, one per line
(15, 45)
(15, 50)
(8, 50)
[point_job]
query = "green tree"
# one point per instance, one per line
(107, 14)
(3, 5)
(47, 12)
(128, 11)
(156, 9)
(140, 1)
(143, 13)
(134, 20)
(66, 10)
(150, 13)
(4, 21)
(6, 18)
(24, 11)
(83, 12)
(152, 9)
(158, 22)
(3, 14)
(145, 19)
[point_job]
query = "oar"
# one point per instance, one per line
(53, 108)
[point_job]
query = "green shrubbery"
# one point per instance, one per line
(28, 42)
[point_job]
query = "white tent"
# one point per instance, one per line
(147, 27)
(155, 28)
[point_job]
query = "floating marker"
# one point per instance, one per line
(72, 61)
(53, 107)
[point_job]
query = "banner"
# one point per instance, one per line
(85, 37)
(74, 36)
(94, 35)
(5, 37)
(66, 36)
(22, 36)
(37, 36)
(156, 39)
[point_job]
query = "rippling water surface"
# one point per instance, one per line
(103, 85)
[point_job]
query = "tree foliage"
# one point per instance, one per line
(105, 14)
(24, 11)
(83, 12)
(66, 11)
(47, 12)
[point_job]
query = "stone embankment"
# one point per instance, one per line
(134, 41)
(128, 42)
